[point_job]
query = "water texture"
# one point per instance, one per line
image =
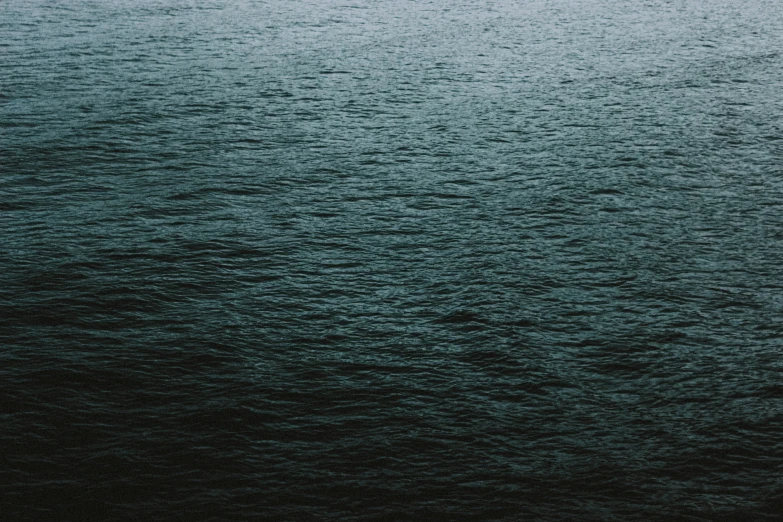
(390, 260)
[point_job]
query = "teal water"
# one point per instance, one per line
(390, 260)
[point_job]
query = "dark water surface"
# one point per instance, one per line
(391, 260)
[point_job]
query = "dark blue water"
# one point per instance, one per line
(391, 260)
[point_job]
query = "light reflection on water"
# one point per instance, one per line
(391, 260)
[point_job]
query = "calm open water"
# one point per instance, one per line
(390, 260)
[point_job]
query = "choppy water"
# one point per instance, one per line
(390, 260)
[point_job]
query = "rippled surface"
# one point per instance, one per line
(364, 260)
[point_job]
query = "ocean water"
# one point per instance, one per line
(390, 260)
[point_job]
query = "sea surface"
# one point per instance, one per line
(351, 260)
